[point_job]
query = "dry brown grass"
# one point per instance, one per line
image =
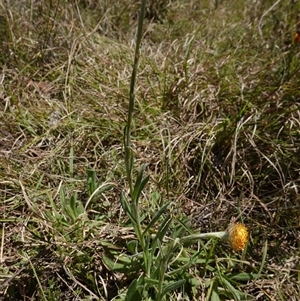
(216, 120)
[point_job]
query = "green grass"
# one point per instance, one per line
(116, 147)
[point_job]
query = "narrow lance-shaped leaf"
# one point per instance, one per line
(126, 207)
(156, 217)
(139, 185)
(173, 286)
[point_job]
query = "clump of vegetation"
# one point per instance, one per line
(133, 133)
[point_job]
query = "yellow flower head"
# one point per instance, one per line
(238, 236)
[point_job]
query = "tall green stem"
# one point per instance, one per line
(127, 133)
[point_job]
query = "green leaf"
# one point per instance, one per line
(79, 208)
(132, 246)
(215, 296)
(161, 233)
(152, 281)
(91, 181)
(194, 282)
(265, 250)
(237, 294)
(62, 196)
(156, 217)
(39, 182)
(72, 205)
(134, 291)
(140, 183)
(121, 264)
(97, 191)
(182, 227)
(173, 286)
(245, 276)
(126, 207)
(104, 188)
(211, 284)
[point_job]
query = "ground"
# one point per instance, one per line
(104, 179)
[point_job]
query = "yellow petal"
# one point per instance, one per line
(238, 236)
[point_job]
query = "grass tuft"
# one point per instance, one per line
(208, 95)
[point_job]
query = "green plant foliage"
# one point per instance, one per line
(134, 131)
